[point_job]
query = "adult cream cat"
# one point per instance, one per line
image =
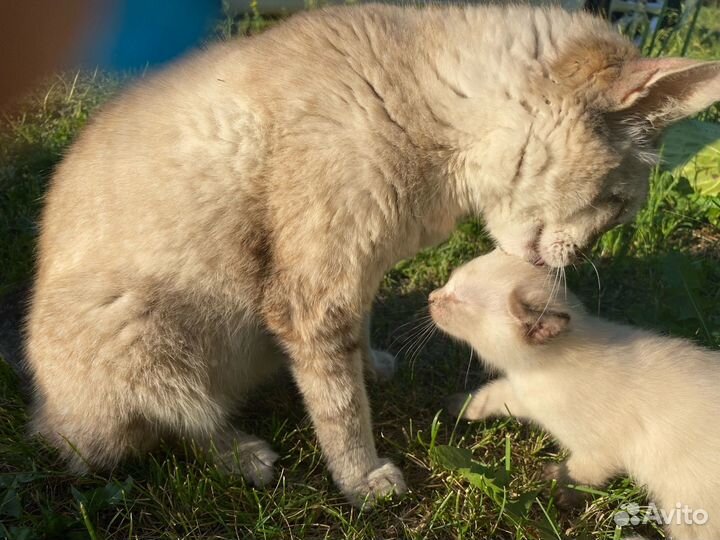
(242, 205)
(622, 400)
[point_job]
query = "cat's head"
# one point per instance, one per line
(589, 140)
(502, 305)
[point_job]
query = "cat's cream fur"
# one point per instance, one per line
(622, 400)
(242, 205)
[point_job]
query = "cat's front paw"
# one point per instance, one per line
(384, 364)
(383, 481)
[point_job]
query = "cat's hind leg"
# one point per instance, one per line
(119, 365)
(92, 438)
(242, 362)
(237, 452)
(379, 365)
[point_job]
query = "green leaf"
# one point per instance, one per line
(109, 495)
(10, 504)
(17, 533)
(692, 149)
(451, 457)
(8, 480)
(685, 297)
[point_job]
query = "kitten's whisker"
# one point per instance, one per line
(412, 332)
(420, 337)
(414, 335)
(411, 346)
(409, 312)
(414, 320)
(424, 340)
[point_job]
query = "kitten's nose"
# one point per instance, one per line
(433, 296)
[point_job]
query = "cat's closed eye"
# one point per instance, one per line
(618, 205)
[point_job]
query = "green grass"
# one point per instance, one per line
(661, 272)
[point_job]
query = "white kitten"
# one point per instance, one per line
(622, 400)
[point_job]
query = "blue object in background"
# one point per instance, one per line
(133, 34)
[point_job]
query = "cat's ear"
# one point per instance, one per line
(538, 321)
(664, 90)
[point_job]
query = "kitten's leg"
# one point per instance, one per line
(496, 398)
(379, 365)
(578, 469)
(582, 469)
(327, 364)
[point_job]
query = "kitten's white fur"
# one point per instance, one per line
(621, 399)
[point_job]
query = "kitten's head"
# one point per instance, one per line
(589, 140)
(500, 304)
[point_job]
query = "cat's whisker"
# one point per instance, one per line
(467, 371)
(551, 297)
(547, 278)
(597, 275)
(555, 289)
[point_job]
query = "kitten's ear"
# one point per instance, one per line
(538, 321)
(664, 90)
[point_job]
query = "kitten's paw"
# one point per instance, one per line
(555, 471)
(455, 404)
(384, 364)
(472, 406)
(253, 458)
(564, 496)
(568, 498)
(381, 482)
